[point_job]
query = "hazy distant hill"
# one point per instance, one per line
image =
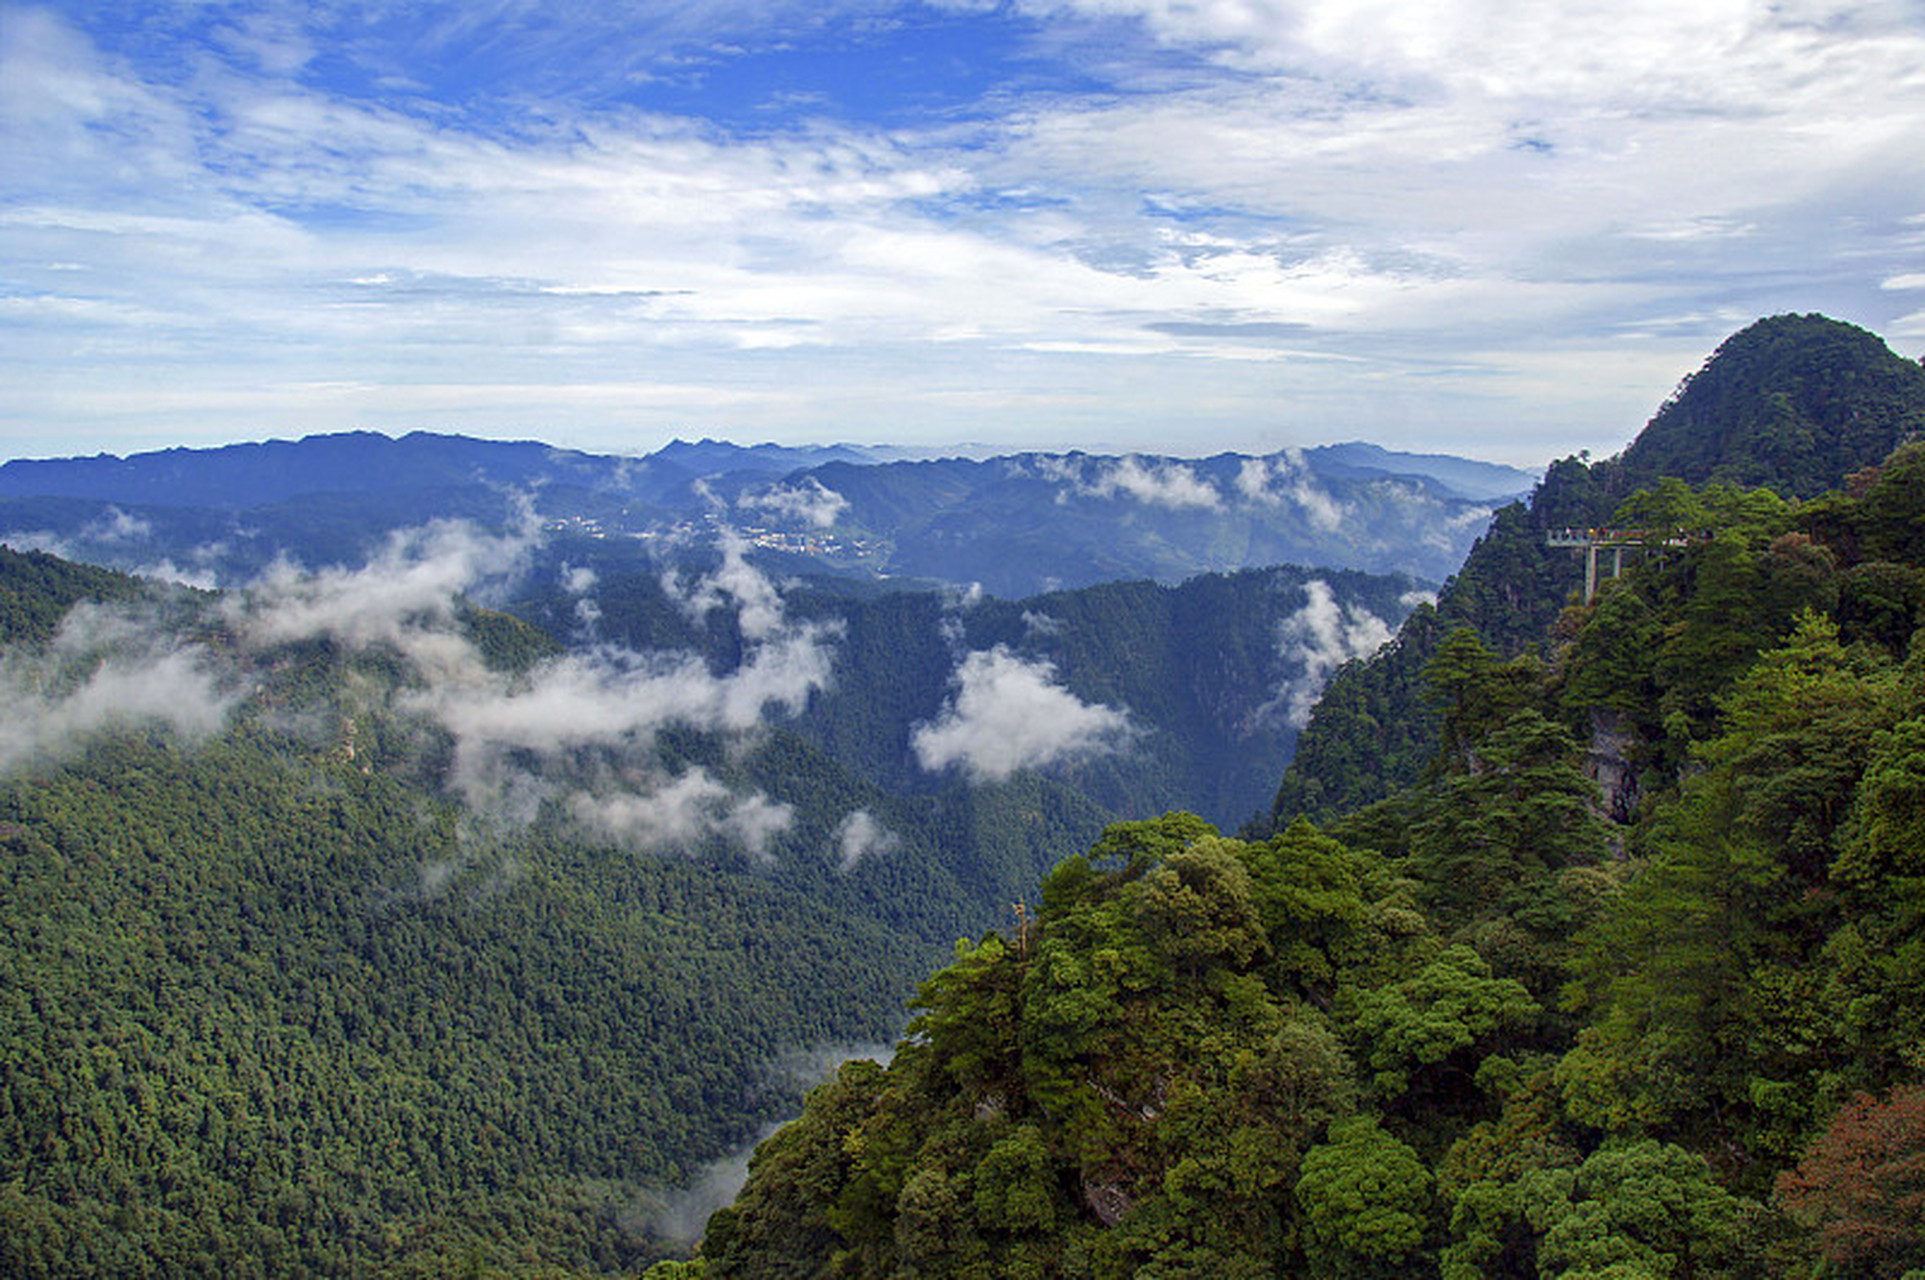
(1015, 524)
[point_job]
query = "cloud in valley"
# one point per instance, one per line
(520, 738)
(1316, 640)
(1010, 713)
(681, 1214)
(809, 502)
(861, 836)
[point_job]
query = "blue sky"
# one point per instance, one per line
(1170, 226)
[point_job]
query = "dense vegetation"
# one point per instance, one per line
(1605, 961)
(1476, 1029)
(277, 992)
(276, 1000)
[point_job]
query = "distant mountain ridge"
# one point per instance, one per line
(260, 472)
(1014, 524)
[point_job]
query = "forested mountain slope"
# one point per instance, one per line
(1793, 404)
(301, 971)
(1477, 1029)
(1190, 693)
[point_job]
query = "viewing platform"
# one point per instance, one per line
(1616, 540)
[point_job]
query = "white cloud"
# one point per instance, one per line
(1436, 199)
(115, 525)
(1272, 481)
(107, 668)
(861, 836)
(809, 502)
(404, 597)
(1253, 481)
(757, 603)
(1010, 714)
(606, 702)
(682, 812)
(1316, 640)
(1160, 483)
(1037, 623)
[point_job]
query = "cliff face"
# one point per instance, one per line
(1607, 763)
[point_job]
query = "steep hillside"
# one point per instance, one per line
(1793, 404)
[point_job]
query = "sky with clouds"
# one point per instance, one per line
(1173, 226)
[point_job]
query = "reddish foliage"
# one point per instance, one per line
(1862, 1184)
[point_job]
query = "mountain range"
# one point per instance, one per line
(1603, 961)
(1013, 525)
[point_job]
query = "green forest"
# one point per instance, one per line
(1616, 974)
(274, 1002)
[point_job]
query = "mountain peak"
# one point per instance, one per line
(1791, 402)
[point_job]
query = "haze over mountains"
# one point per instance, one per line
(1013, 525)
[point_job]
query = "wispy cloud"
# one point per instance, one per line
(1160, 483)
(682, 812)
(1313, 642)
(521, 740)
(861, 836)
(108, 667)
(809, 502)
(1283, 478)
